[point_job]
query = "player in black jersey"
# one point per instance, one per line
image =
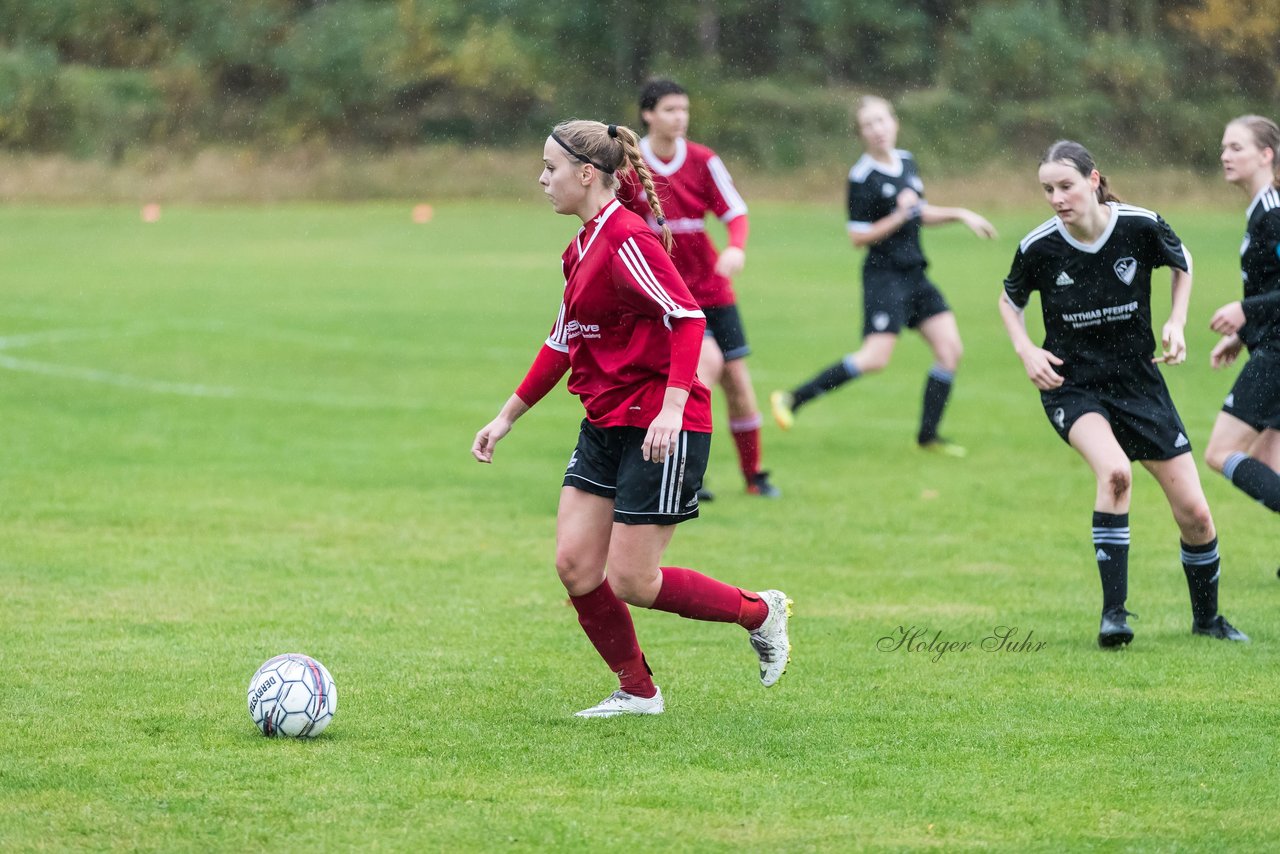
(1245, 444)
(886, 212)
(1099, 384)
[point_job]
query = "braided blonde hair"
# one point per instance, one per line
(612, 149)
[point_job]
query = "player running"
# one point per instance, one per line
(1245, 443)
(628, 333)
(1101, 390)
(692, 182)
(886, 211)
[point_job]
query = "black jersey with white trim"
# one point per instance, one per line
(873, 195)
(1096, 298)
(1260, 269)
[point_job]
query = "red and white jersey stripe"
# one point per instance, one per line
(691, 185)
(621, 295)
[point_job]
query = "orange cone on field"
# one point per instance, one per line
(151, 212)
(423, 213)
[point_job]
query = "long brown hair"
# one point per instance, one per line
(1068, 151)
(612, 149)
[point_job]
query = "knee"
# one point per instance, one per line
(1197, 523)
(578, 575)
(1118, 481)
(1215, 456)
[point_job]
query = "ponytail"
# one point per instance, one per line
(631, 151)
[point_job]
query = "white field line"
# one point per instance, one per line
(154, 386)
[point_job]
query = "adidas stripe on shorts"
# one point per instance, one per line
(1132, 396)
(1255, 397)
(608, 462)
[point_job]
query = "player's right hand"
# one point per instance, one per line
(1040, 365)
(1225, 352)
(487, 438)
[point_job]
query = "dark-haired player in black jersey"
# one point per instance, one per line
(1092, 265)
(1245, 444)
(886, 211)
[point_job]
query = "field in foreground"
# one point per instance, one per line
(240, 432)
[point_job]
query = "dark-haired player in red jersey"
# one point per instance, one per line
(693, 182)
(628, 333)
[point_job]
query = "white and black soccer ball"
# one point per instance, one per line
(292, 695)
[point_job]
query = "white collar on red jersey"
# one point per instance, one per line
(666, 170)
(599, 220)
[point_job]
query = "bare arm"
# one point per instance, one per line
(1038, 362)
(933, 215)
(491, 433)
(1173, 335)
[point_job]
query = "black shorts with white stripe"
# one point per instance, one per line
(608, 462)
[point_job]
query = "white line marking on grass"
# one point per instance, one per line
(153, 386)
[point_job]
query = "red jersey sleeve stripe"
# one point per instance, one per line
(724, 183)
(557, 340)
(640, 270)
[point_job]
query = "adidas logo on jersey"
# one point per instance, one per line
(1126, 269)
(1231, 400)
(1180, 442)
(1063, 280)
(1101, 555)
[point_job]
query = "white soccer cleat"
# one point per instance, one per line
(622, 703)
(770, 640)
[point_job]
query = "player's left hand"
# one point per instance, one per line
(731, 262)
(1228, 319)
(664, 432)
(978, 225)
(1175, 345)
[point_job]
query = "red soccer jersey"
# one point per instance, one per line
(621, 293)
(692, 185)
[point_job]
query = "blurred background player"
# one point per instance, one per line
(1100, 387)
(628, 332)
(1245, 444)
(886, 211)
(691, 182)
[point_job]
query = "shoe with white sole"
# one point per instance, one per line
(770, 640)
(622, 703)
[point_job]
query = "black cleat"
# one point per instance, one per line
(1114, 631)
(705, 496)
(1219, 628)
(759, 484)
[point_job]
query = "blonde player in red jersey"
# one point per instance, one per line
(628, 332)
(693, 182)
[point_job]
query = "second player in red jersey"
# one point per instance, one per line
(691, 182)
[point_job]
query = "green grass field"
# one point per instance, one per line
(240, 432)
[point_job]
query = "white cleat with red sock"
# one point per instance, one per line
(770, 640)
(622, 703)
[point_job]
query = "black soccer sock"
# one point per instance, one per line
(936, 391)
(1254, 478)
(1201, 564)
(833, 377)
(1111, 548)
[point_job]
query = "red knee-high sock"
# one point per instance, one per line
(607, 622)
(698, 597)
(746, 435)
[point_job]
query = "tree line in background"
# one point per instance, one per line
(773, 80)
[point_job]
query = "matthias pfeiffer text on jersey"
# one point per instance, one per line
(931, 643)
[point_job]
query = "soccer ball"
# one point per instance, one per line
(292, 694)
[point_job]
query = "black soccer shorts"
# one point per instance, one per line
(724, 323)
(1134, 400)
(892, 299)
(1255, 397)
(608, 462)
